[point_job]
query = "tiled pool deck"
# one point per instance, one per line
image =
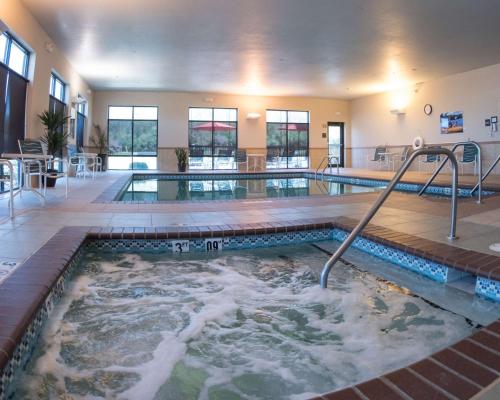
(416, 225)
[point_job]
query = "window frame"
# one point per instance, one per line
(212, 156)
(286, 123)
(132, 133)
(6, 57)
(52, 89)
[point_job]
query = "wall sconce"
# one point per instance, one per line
(398, 111)
(253, 115)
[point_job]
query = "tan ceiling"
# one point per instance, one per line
(331, 48)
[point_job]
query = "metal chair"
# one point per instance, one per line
(241, 158)
(429, 159)
(379, 156)
(40, 168)
(273, 157)
(196, 155)
(8, 178)
(469, 156)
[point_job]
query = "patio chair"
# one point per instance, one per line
(429, 159)
(469, 156)
(40, 168)
(379, 156)
(8, 177)
(196, 155)
(241, 158)
(273, 157)
(75, 161)
(224, 158)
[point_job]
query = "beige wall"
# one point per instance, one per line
(26, 29)
(173, 117)
(476, 93)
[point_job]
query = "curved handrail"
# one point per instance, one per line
(492, 166)
(383, 197)
(480, 172)
(11, 185)
(328, 158)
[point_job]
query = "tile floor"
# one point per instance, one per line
(478, 225)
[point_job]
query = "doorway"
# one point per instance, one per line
(336, 142)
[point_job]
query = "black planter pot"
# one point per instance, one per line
(181, 167)
(51, 182)
(103, 158)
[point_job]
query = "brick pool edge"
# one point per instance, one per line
(461, 370)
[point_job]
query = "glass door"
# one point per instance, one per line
(336, 142)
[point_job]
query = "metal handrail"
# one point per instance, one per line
(480, 172)
(492, 166)
(11, 185)
(383, 197)
(328, 164)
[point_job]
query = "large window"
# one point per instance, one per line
(57, 88)
(14, 55)
(213, 138)
(132, 137)
(287, 139)
(14, 60)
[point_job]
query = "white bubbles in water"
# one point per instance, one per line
(241, 324)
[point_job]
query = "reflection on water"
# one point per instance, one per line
(240, 325)
(153, 189)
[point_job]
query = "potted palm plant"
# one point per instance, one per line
(100, 141)
(55, 137)
(182, 157)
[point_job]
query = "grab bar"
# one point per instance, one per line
(11, 184)
(493, 165)
(383, 197)
(480, 172)
(328, 164)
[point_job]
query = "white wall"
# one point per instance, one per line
(174, 106)
(25, 28)
(476, 93)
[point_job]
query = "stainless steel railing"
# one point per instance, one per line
(383, 197)
(10, 179)
(328, 164)
(492, 166)
(480, 168)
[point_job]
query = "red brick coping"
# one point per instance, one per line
(459, 371)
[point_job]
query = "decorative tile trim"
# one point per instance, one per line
(488, 288)
(115, 191)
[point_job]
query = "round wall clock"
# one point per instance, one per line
(428, 109)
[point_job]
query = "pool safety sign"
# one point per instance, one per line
(213, 244)
(180, 246)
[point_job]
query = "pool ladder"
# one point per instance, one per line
(328, 164)
(383, 197)
(480, 170)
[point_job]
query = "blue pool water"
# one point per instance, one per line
(202, 187)
(151, 188)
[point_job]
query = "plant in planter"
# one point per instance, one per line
(55, 137)
(182, 158)
(100, 140)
